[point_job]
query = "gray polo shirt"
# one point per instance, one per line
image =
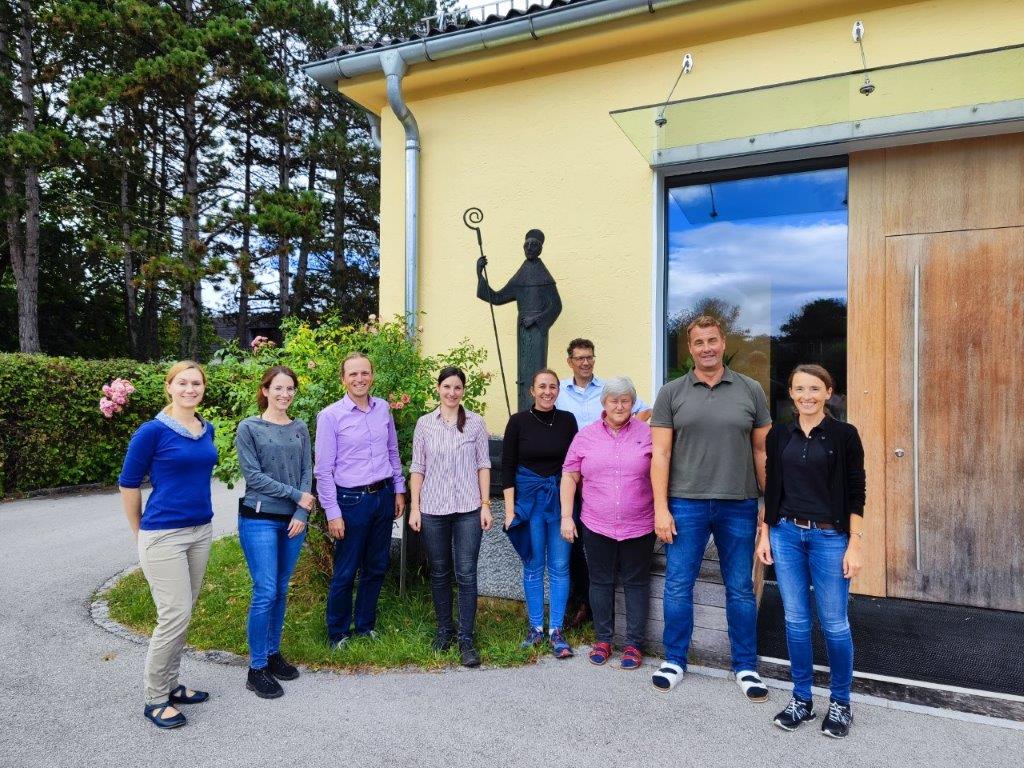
(712, 457)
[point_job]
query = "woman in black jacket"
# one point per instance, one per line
(814, 508)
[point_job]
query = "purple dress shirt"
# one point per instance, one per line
(618, 501)
(354, 448)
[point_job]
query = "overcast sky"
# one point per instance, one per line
(776, 244)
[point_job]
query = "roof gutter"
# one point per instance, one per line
(534, 26)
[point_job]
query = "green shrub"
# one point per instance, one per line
(51, 430)
(53, 434)
(402, 375)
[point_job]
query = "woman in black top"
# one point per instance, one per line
(536, 441)
(814, 508)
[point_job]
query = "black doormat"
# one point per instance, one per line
(945, 644)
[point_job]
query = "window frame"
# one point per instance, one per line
(666, 182)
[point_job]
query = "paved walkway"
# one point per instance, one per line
(71, 693)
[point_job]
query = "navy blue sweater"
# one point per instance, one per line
(179, 466)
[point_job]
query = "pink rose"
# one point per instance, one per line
(405, 399)
(108, 408)
(123, 384)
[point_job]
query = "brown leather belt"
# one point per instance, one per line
(799, 522)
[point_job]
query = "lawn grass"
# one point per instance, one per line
(405, 626)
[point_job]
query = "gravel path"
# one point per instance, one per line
(72, 693)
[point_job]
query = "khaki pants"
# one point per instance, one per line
(174, 562)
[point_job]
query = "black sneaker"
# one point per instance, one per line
(837, 723)
(795, 713)
(280, 668)
(468, 654)
(262, 683)
(442, 641)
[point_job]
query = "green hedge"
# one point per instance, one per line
(51, 430)
(53, 434)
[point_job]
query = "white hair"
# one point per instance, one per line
(617, 387)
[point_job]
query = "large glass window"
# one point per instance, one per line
(766, 254)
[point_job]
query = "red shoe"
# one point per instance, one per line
(599, 653)
(631, 658)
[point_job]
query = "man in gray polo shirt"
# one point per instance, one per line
(709, 430)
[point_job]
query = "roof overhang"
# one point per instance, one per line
(532, 26)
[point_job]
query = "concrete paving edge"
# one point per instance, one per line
(99, 610)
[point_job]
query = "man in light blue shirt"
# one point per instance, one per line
(580, 394)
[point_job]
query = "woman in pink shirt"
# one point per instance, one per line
(613, 459)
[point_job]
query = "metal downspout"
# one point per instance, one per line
(394, 70)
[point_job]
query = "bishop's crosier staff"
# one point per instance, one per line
(472, 217)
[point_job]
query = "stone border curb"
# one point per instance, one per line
(99, 610)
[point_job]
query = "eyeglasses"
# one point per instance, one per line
(584, 359)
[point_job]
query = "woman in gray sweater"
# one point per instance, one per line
(276, 460)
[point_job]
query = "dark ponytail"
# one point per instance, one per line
(448, 372)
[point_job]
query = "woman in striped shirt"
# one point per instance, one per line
(449, 482)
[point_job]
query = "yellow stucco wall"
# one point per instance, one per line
(533, 146)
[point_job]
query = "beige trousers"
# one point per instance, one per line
(174, 562)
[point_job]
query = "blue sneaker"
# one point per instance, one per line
(560, 646)
(534, 637)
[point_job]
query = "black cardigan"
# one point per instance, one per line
(846, 480)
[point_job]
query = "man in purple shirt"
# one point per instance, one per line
(361, 488)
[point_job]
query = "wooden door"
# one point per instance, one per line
(955, 497)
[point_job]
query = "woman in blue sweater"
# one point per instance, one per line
(176, 451)
(276, 459)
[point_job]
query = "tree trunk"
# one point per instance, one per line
(245, 256)
(283, 246)
(151, 302)
(191, 288)
(26, 264)
(302, 269)
(339, 267)
(131, 309)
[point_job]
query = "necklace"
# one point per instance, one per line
(545, 423)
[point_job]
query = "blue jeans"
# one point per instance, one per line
(441, 535)
(734, 527)
(271, 557)
(552, 551)
(807, 559)
(366, 548)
